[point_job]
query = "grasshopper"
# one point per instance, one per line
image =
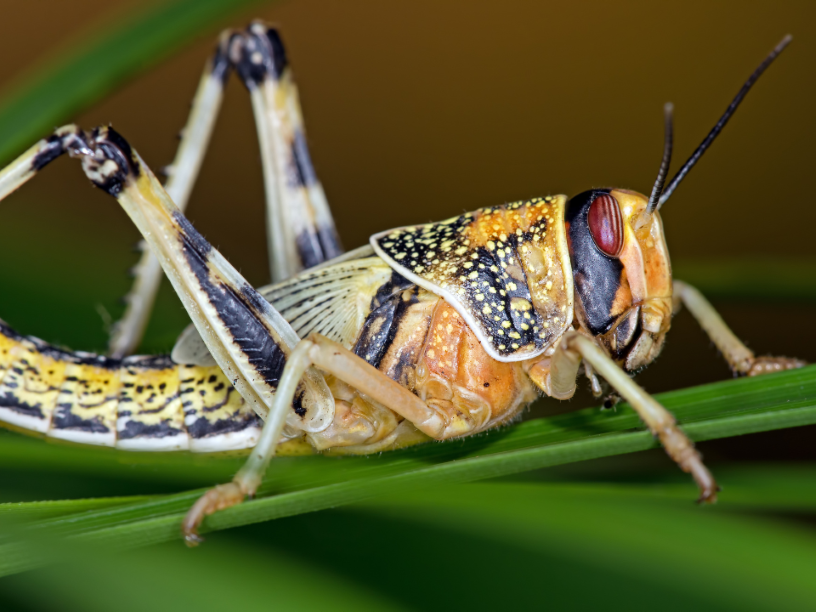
(429, 332)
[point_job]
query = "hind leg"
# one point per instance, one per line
(300, 226)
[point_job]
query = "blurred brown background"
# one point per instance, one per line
(419, 110)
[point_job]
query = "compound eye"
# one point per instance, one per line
(606, 224)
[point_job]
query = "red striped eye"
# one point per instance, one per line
(606, 224)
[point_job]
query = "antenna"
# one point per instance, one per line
(681, 174)
(668, 142)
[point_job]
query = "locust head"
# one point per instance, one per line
(621, 272)
(620, 263)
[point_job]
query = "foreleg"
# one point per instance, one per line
(741, 359)
(560, 383)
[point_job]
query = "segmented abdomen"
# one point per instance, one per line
(138, 403)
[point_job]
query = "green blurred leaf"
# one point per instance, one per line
(769, 279)
(225, 576)
(306, 484)
(85, 74)
(747, 563)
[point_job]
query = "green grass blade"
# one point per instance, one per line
(87, 73)
(298, 485)
(48, 509)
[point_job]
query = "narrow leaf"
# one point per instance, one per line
(299, 485)
(85, 74)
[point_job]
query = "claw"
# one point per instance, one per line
(768, 364)
(217, 498)
(705, 481)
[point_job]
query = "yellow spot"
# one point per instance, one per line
(494, 269)
(473, 275)
(514, 334)
(467, 264)
(491, 245)
(505, 324)
(486, 309)
(548, 285)
(502, 347)
(514, 345)
(512, 286)
(399, 256)
(461, 250)
(479, 297)
(521, 304)
(431, 353)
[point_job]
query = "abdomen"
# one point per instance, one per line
(138, 403)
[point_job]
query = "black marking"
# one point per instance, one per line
(149, 362)
(597, 276)
(329, 241)
(238, 421)
(137, 429)
(628, 330)
(220, 64)
(303, 161)
(160, 408)
(262, 55)
(309, 249)
(52, 150)
(278, 52)
(237, 311)
(392, 287)
(297, 405)
(381, 326)
(65, 419)
(9, 400)
(191, 236)
(115, 148)
(10, 333)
